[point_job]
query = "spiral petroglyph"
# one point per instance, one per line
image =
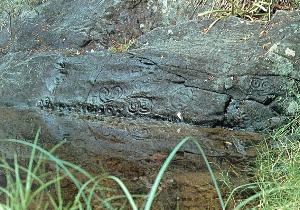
(261, 86)
(112, 93)
(140, 106)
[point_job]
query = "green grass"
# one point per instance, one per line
(33, 190)
(32, 187)
(29, 187)
(278, 174)
(277, 179)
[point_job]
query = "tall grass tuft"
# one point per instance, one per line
(30, 187)
(33, 187)
(279, 168)
(152, 194)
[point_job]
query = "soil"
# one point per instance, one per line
(187, 183)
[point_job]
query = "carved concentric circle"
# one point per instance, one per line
(256, 83)
(140, 106)
(104, 94)
(181, 98)
(261, 86)
(112, 93)
(133, 106)
(265, 85)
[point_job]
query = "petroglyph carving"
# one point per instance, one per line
(107, 94)
(181, 98)
(104, 94)
(140, 106)
(261, 86)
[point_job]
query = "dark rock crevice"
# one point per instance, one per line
(174, 81)
(86, 43)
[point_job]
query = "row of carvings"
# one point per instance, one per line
(142, 106)
(180, 96)
(114, 100)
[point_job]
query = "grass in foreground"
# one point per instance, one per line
(278, 174)
(32, 187)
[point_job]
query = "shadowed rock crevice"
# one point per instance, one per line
(189, 79)
(221, 86)
(175, 80)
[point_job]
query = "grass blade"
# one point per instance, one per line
(162, 170)
(125, 190)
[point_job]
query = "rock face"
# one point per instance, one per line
(60, 24)
(57, 72)
(218, 84)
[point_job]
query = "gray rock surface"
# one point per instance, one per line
(134, 139)
(57, 73)
(60, 24)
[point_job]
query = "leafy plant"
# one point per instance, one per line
(278, 161)
(278, 168)
(33, 191)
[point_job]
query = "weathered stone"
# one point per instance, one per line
(179, 77)
(232, 76)
(119, 137)
(60, 24)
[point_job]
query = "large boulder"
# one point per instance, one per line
(60, 24)
(232, 75)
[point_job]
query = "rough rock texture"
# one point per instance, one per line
(179, 77)
(139, 138)
(60, 24)
(230, 76)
